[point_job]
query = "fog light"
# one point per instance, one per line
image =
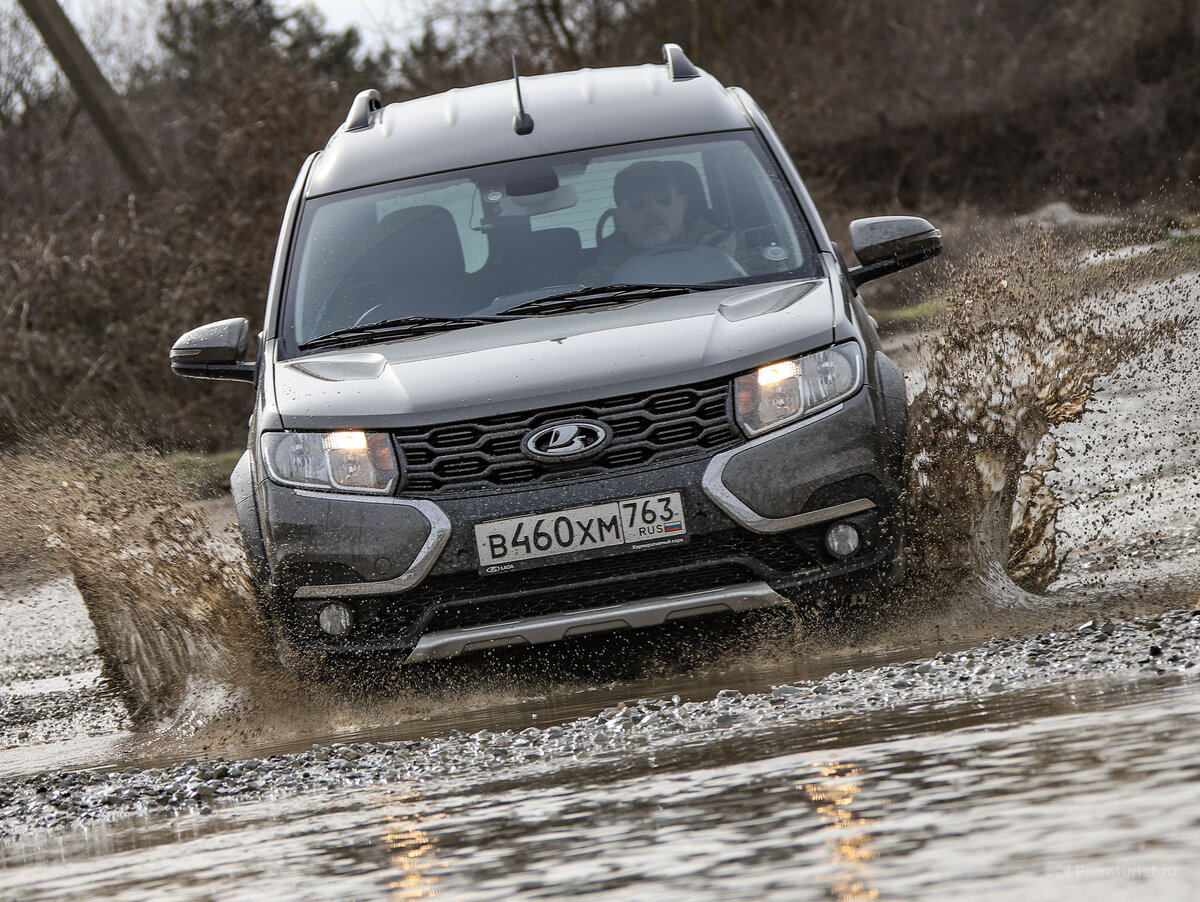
(842, 540)
(336, 619)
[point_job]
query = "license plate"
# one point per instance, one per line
(633, 523)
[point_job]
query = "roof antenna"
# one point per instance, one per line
(522, 121)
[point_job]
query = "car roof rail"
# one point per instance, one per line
(365, 103)
(679, 67)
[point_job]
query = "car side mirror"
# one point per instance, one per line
(215, 351)
(888, 244)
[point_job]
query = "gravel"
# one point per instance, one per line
(1136, 649)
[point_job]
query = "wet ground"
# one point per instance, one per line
(968, 739)
(1046, 793)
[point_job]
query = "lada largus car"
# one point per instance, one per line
(559, 355)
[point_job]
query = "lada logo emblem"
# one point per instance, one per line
(567, 440)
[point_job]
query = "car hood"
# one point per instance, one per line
(545, 361)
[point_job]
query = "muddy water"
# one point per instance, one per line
(1072, 787)
(1040, 795)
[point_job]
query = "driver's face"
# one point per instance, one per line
(652, 216)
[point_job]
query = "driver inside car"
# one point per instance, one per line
(656, 239)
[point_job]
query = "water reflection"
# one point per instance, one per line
(846, 833)
(1090, 790)
(410, 850)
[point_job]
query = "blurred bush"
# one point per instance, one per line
(95, 283)
(887, 106)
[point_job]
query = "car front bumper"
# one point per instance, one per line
(756, 515)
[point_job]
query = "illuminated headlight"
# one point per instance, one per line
(349, 461)
(781, 392)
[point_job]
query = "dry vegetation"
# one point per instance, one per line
(887, 106)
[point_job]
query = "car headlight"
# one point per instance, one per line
(348, 461)
(790, 389)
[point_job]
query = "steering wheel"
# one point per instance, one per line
(606, 217)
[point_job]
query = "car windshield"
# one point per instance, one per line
(690, 213)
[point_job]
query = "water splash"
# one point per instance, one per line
(164, 581)
(1015, 352)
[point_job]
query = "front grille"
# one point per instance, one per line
(651, 428)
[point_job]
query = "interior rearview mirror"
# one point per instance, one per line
(887, 244)
(215, 351)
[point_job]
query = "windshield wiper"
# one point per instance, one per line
(404, 327)
(603, 296)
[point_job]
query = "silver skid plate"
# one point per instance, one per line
(628, 615)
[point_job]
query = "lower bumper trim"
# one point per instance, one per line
(628, 615)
